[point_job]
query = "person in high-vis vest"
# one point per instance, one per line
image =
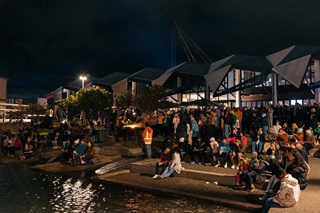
(147, 139)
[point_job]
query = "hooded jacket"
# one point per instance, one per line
(254, 162)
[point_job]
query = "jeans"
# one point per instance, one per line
(168, 172)
(87, 159)
(255, 147)
(161, 168)
(226, 130)
(265, 129)
(267, 205)
(148, 150)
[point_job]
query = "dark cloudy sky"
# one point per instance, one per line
(48, 43)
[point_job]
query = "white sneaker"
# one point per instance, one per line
(233, 166)
(225, 165)
(192, 162)
(155, 176)
(161, 176)
(217, 165)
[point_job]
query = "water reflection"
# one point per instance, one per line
(72, 196)
(38, 192)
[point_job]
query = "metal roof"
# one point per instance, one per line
(147, 74)
(113, 78)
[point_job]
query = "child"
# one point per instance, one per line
(214, 145)
(253, 170)
(242, 171)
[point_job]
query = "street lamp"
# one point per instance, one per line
(83, 78)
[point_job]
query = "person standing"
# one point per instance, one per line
(147, 139)
(246, 120)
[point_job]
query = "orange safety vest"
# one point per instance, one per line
(147, 135)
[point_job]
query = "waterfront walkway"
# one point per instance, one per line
(190, 184)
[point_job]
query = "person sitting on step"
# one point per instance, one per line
(162, 164)
(224, 152)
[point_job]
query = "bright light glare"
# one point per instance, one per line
(82, 77)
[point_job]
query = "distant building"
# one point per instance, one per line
(3, 89)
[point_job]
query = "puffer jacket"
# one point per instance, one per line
(289, 192)
(299, 172)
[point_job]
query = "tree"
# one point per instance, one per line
(124, 99)
(89, 100)
(153, 99)
(32, 110)
(18, 114)
(67, 102)
(36, 111)
(93, 100)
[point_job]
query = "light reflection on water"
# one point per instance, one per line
(38, 192)
(72, 196)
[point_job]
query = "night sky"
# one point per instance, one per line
(48, 43)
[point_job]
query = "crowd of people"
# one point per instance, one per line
(281, 138)
(75, 141)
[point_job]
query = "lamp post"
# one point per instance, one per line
(83, 78)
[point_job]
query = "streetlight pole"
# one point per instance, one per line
(83, 78)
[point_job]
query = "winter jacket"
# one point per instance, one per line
(299, 137)
(289, 192)
(283, 139)
(176, 162)
(81, 148)
(254, 162)
(298, 171)
(194, 128)
(224, 147)
(214, 146)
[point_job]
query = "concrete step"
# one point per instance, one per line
(211, 174)
(122, 151)
(314, 152)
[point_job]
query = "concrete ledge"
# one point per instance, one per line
(222, 179)
(122, 151)
(181, 186)
(227, 178)
(57, 167)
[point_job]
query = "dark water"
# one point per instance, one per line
(25, 190)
